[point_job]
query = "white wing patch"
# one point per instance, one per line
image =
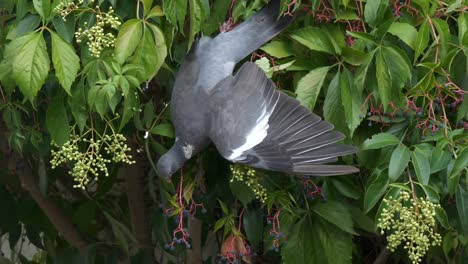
(254, 137)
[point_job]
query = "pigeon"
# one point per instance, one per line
(247, 119)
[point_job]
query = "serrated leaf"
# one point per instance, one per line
(439, 160)
(404, 31)
(66, 62)
(57, 121)
(422, 39)
(77, 102)
(42, 7)
(131, 104)
(374, 11)
(462, 28)
(315, 39)
(337, 214)
(354, 57)
(278, 49)
(398, 162)
(166, 130)
(196, 19)
(442, 217)
(156, 11)
(421, 165)
(160, 49)
(461, 197)
(461, 163)
(309, 86)
(31, 65)
(384, 81)
(127, 40)
(253, 225)
(146, 6)
(146, 57)
(351, 101)
(333, 109)
(379, 141)
(375, 191)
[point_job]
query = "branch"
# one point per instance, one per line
(194, 255)
(383, 256)
(56, 215)
(134, 182)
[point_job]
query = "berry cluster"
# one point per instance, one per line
(235, 250)
(90, 163)
(96, 36)
(409, 221)
(312, 190)
(275, 231)
(64, 8)
(183, 206)
(251, 178)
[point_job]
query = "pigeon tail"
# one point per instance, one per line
(251, 34)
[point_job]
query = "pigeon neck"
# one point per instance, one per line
(177, 155)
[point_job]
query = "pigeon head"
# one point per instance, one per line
(172, 161)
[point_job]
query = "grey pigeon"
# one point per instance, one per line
(246, 118)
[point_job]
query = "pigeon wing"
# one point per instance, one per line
(253, 123)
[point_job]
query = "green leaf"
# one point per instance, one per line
(128, 39)
(145, 56)
(315, 39)
(77, 102)
(363, 36)
(461, 163)
(242, 192)
(57, 121)
(439, 160)
(165, 130)
(181, 10)
(354, 57)
(351, 100)
(399, 68)
(196, 19)
(443, 33)
(384, 81)
(66, 29)
(374, 11)
(335, 213)
(31, 65)
(131, 105)
(253, 225)
(442, 217)
(169, 7)
(156, 11)
(404, 31)
(146, 6)
(421, 165)
(379, 141)
(398, 162)
(361, 220)
(461, 197)
(278, 49)
(375, 190)
(160, 49)
(66, 62)
(422, 39)
(42, 8)
(463, 29)
(309, 86)
(333, 109)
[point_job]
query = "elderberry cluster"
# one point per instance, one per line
(409, 222)
(90, 163)
(96, 35)
(66, 7)
(251, 179)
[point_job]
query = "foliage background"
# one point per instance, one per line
(391, 75)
